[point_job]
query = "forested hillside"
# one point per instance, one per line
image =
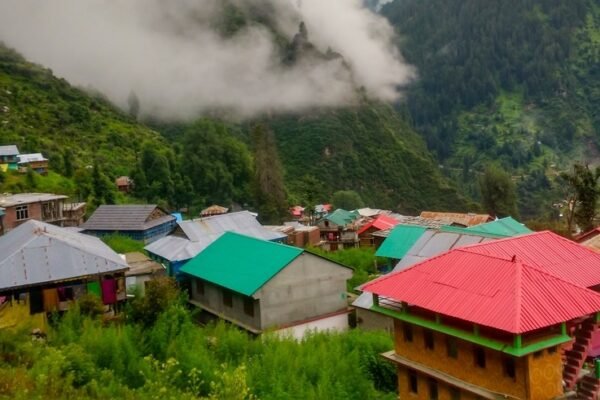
(515, 83)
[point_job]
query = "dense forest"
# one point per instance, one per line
(515, 83)
(146, 355)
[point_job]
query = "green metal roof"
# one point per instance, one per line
(474, 232)
(240, 263)
(341, 217)
(399, 241)
(505, 226)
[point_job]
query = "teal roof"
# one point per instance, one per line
(240, 263)
(341, 217)
(507, 226)
(473, 232)
(400, 240)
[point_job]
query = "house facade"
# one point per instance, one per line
(19, 208)
(9, 158)
(47, 267)
(36, 161)
(144, 222)
(268, 286)
(337, 230)
(495, 320)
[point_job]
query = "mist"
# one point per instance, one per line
(180, 65)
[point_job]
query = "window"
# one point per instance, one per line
(552, 350)
(479, 354)
(451, 347)
(249, 306)
(433, 389)
(537, 354)
(413, 381)
(407, 332)
(200, 287)
(22, 212)
(454, 393)
(428, 338)
(509, 367)
(227, 298)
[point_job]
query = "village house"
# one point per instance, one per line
(141, 270)
(36, 161)
(19, 208)
(213, 210)
(590, 239)
(297, 212)
(124, 184)
(192, 236)
(378, 223)
(337, 230)
(143, 222)
(264, 286)
(9, 158)
(298, 235)
(45, 267)
(510, 318)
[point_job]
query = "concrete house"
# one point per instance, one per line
(143, 222)
(44, 267)
(192, 236)
(9, 158)
(265, 286)
(22, 207)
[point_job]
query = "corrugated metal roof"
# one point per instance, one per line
(202, 232)
(10, 150)
(431, 243)
(241, 263)
(33, 157)
(213, 210)
(10, 200)
(466, 219)
(399, 241)
(592, 243)
(140, 264)
(508, 295)
(586, 235)
(35, 253)
(125, 217)
(381, 222)
(341, 217)
(553, 253)
(507, 226)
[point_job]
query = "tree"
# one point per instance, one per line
(347, 199)
(582, 195)
(102, 188)
(68, 163)
(134, 104)
(269, 190)
(498, 192)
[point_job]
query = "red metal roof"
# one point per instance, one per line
(381, 222)
(550, 252)
(490, 291)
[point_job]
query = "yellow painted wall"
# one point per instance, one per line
(15, 314)
(544, 376)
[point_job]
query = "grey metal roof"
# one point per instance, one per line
(10, 150)
(201, 232)
(10, 200)
(35, 253)
(125, 217)
(27, 158)
(430, 244)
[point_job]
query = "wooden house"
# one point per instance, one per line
(74, 214)
(44, 268)
(268, 286)
(22, 207)
(9, 158)
(36, 161)
(337, 230)
(376, 224)
(124, 184)
(192, 236)
(144, 222)
(510, 318)
(213, 210)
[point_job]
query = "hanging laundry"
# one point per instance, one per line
(36, 301)
(109, 291)
(50, 299)
(94, 288)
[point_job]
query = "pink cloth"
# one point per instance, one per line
(109, 291)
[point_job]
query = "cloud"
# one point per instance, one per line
(180, 65)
